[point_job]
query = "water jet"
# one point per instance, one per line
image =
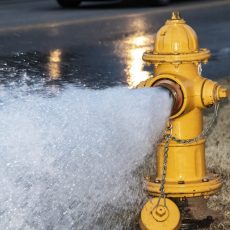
(71, 160)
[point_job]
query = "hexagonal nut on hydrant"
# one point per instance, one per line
(160, 213)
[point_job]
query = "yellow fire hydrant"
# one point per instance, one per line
(181, 168)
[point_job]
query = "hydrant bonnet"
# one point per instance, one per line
(176, 42)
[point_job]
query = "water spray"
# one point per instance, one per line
(181, 180)
(71, 160)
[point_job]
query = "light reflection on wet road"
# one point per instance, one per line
(131, 50)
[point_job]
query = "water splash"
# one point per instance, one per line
(69, 161)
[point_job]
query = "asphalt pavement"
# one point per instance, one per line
(100, 44)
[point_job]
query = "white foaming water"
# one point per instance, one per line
(69, 161)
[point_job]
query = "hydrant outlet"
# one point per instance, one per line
(175, 91)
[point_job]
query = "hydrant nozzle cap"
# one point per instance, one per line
(222, 92)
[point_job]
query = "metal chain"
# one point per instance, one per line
(203, 134)
(164, 170)
(168, 137)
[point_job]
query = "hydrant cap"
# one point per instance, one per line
(176, 37)
(176, 41)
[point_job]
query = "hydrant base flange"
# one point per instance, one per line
(205, 188)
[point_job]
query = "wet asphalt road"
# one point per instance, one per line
(99, 45)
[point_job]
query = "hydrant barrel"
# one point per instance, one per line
(176, 58)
